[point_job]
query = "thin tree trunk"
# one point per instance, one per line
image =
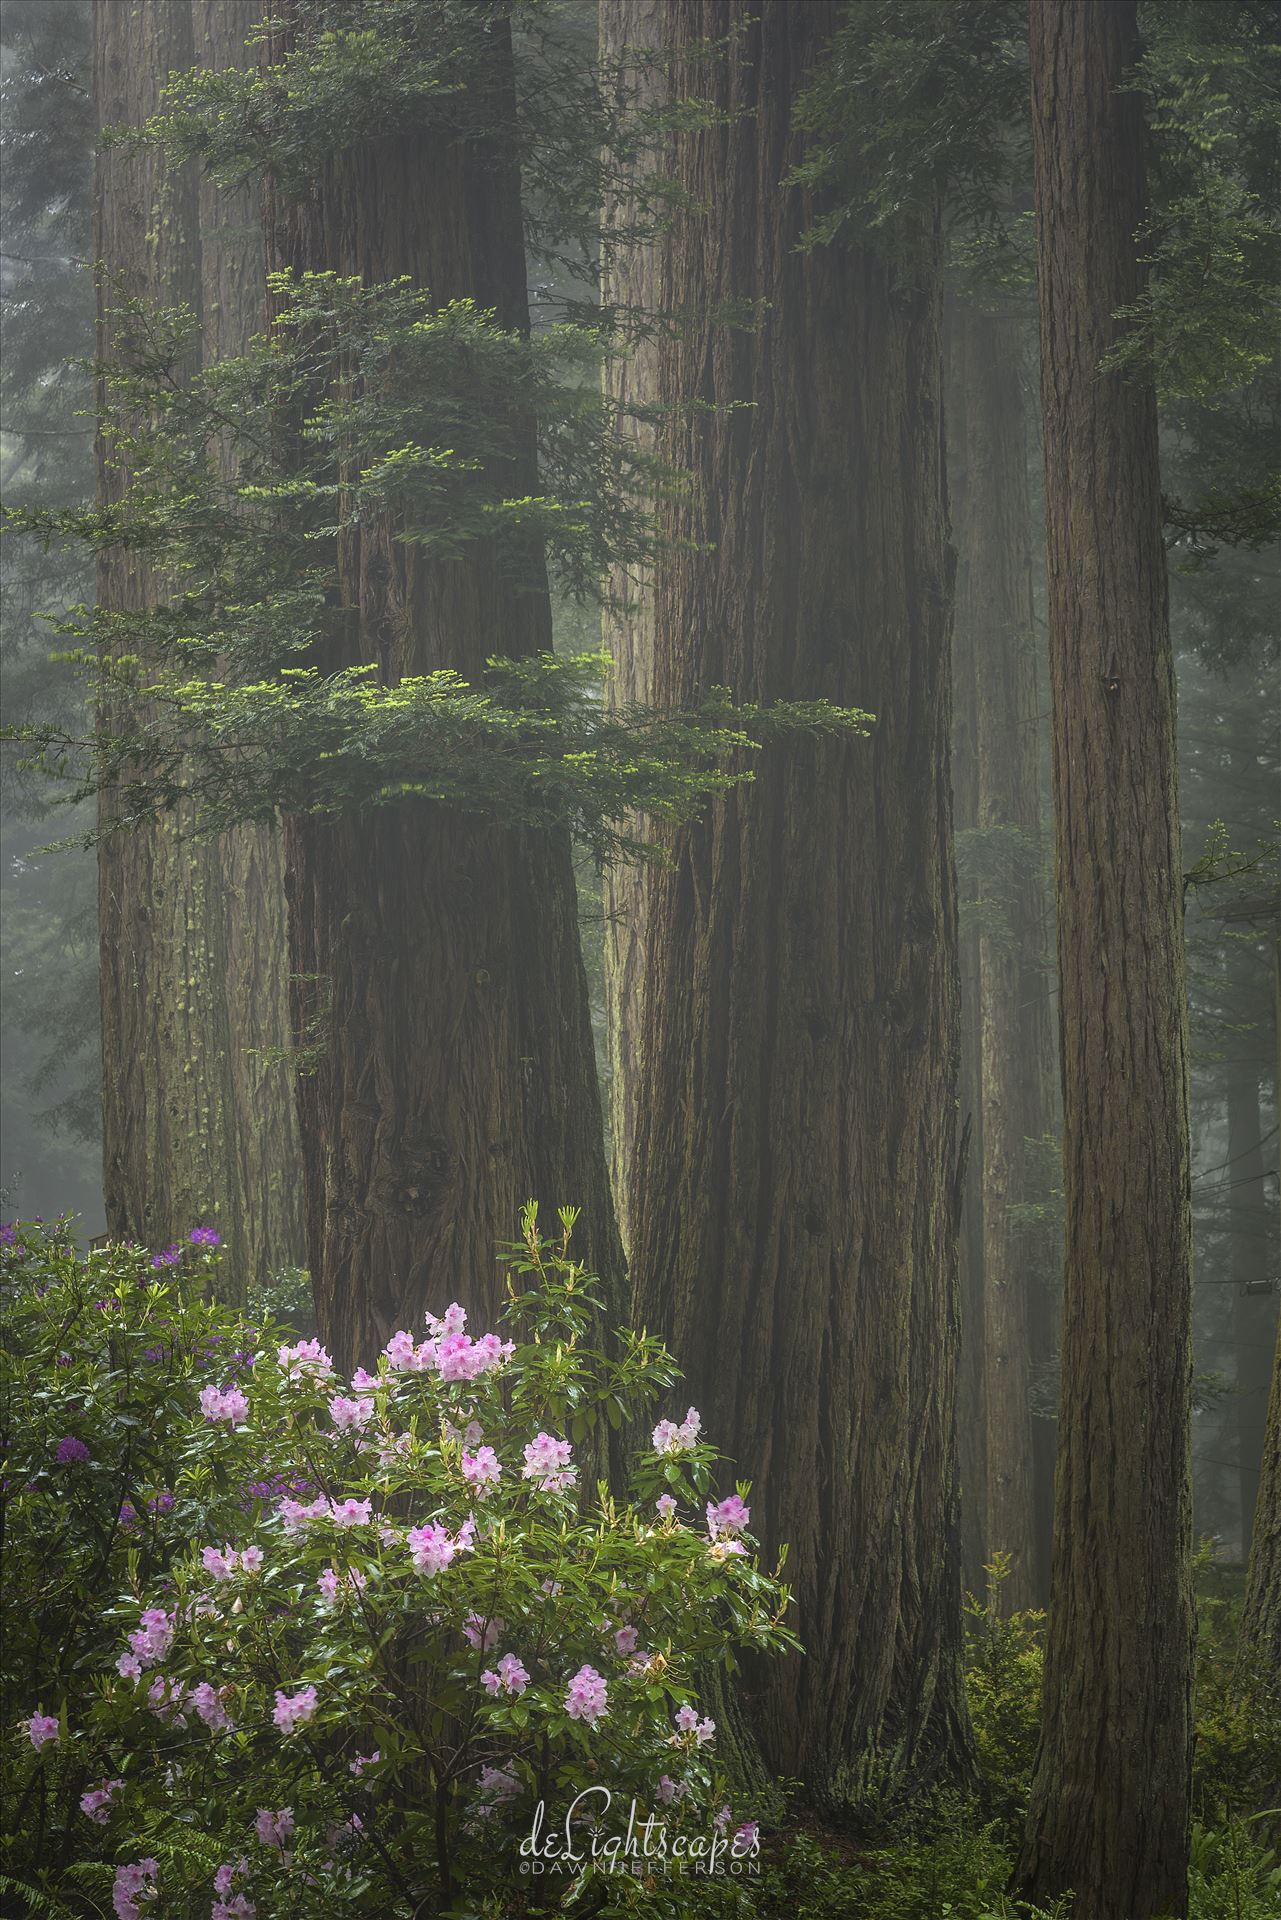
(196, 1124)
(1110, 1795)
(439, 983)
(793, 1192)
(1254, 1311)
(971, 1384)
(1261, 1616)
(993, 652)
(631, 283)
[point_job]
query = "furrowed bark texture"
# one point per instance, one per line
(793, 1203)
(1254, 1310)
(1261, 1616)
(631, 282)
(971, 1381)
(440, 988)
(994, 661)
(197, 1126)
(1109, 1809)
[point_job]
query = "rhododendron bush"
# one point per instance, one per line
(326, 1645)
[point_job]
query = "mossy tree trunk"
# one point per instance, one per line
(792, 1193)
(1109, 1814)
(439, 986)
(197, 1122)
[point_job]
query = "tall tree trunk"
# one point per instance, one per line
(793, 1205)
(439, 982)
(1109, 1809)
(197, 1126)
(632, 284)
(1254, 1312)
(1261, 1616)
(971, 1379)
(993, 652)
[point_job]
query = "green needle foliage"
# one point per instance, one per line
(363, 406)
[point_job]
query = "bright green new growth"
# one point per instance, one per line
(366, 406)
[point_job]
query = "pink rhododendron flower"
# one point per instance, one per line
(166, 1699)
(363, 1760)
(667, 1789)
(547, 1463)
(132, 1885)
(239, 1907)
(96, 1804)
(293, 1710)
(224, 1403)
(308, 1361)
(152, 1640)
(625, 1640)
(666, 1504)
(347, 1413)
(250, 1559)
(722, 1819)
(746, 1839)
(481, 1469)
(482, 1631)
(511, 1677)
(688, 1721)
(332, 1584)
(430, 1548)
(42, 1730)
(363, 1381)
(208, 1703)
(129, 1666)
(725, 1549)
(351, 1513)
(295, 1514)
(727, 1519)
(586, 1696)
(227, 1875)
(670, 1438)
(273, 1829)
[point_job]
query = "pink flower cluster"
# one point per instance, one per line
(511, 1677)
(224, 1403)
(295, 1514)
(688, 1723)
(587, 1696)
(41, 1729)
(728, 1518)
(670, 1438)
(481, 1470)
(307, 1361)
(332, 1584)
(132, 1885)
(223, 1562)
(348, 1414)
(208, 1703)
(547, 1464)
(96, 1804)
(151, 1641)
(448, 1351)
(229, 1905)
(274, 1829)
(431, 1548)
(293, 1710)
(483, 1631)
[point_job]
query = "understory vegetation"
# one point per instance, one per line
(279, 1644)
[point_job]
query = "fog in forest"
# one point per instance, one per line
(667, 609)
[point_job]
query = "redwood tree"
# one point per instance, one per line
(198, 1123)
(1109, 1809)
(792, 1188)
(1007, 1035)
(439, 987)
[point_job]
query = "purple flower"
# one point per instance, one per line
(169, 1258)
(586, 1696)
(69, 1449)
(40, 1729)
(8, 1234)
(204, 1237)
